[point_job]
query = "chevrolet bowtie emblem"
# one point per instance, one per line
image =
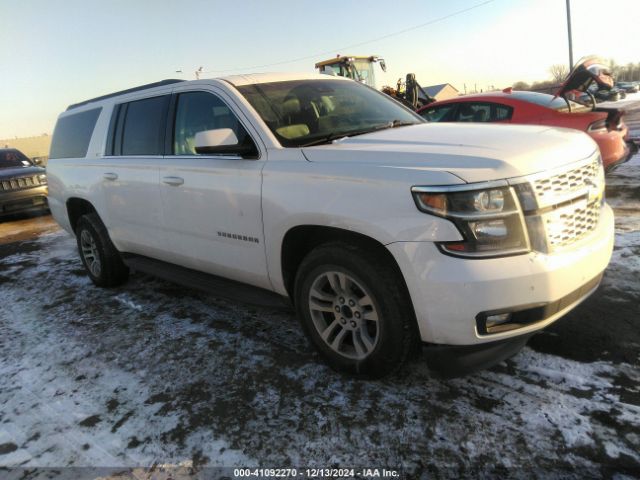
(594, 190)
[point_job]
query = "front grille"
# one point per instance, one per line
(562, 185)
(19, 183)
(566, 205)
(565, 226)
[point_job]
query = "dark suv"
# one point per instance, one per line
(23, 185)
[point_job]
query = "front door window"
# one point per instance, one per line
(200, 111)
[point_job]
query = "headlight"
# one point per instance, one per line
(42, 178)
(489, 219)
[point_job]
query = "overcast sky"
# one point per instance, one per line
(56, 53)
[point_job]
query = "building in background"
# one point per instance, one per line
(443, 91)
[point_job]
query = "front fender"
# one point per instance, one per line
(379, 206)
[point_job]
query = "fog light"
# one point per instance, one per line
(499, 319)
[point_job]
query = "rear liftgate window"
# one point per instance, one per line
(72, 134)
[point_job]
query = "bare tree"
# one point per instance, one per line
(521, 86)
(558, 72)
(614, 68)
(546, 86)
(629, 71)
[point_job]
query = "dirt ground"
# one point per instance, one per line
(94, 382)
(17, 228)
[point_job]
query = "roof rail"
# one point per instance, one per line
(129, 90)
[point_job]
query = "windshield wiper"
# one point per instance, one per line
(353, 133)
(324, 139)
(400, 123)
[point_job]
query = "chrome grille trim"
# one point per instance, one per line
(19, 183)
(565, 226)
(568, 185)
(562, 206)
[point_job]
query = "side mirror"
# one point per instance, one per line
(222, 141)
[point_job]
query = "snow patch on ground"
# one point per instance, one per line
(623, 194)
(152, 373)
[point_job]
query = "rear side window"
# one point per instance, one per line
(72, 134)
(138, 128)
(143, 126)
(482, 112)
(473, 112)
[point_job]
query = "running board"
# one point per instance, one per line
(212, 284)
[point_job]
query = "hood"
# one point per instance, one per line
(472, 152)
(587, 71)
(16, 172)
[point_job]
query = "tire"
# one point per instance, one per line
(340, 290)
(99, 256)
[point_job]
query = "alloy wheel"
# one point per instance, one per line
(90, 253)
(344, 314)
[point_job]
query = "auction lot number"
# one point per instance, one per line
(312, 472)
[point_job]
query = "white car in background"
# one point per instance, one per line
(385, 232)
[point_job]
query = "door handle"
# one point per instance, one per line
(110, 176)
(174, 181)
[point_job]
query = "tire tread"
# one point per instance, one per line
(395, 290)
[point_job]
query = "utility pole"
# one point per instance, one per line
(569, 33)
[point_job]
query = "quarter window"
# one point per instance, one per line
(72, 134)
(198, 112)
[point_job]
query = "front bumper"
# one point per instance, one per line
(457, 360)
(449, 294)
(26, 200)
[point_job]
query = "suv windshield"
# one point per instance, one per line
(13, 158)
(308, 112)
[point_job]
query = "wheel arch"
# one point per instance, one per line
(302, 239)
(76, 208)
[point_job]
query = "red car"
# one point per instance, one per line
(604, 125)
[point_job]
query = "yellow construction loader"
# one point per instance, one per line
(361, 69)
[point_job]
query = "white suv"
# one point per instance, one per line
(384, 231)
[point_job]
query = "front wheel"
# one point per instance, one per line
(355, 310)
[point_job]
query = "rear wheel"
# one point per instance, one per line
(354, 308)
(99, 256)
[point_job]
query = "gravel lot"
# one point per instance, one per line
(155, 374)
